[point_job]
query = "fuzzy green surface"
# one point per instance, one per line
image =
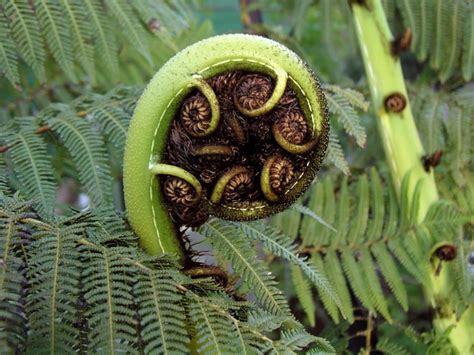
(156, 109)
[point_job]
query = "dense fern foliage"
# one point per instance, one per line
(80, 35)
(341, 271)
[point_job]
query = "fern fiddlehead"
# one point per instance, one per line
(234, 126)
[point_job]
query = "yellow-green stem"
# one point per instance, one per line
(404, 151)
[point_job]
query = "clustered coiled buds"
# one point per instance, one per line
(250, 158)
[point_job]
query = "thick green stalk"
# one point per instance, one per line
(404, 152)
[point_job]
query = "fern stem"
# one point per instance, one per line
(404, 153)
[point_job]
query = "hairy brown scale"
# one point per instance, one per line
(282, 172)
(196, 115)
(238, 141)
(252, 91)
(293, 126)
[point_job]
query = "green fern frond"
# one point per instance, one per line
(303, 293)
(8, 58)
(87, 150)
(3, 176)
(214, 331)
(108, 294)
(54, 272)
(228, 241)
(468, 44)
(13, 242)
(353, 97)
(388, 346)
(294, 340)
(336, 154)
(342, 108)
(130, 25)
(81, 33)
(163, 327)
(280, 245)
(454, 28)
(56, 34)
(33, 167)
(328, 302)
(24, 27)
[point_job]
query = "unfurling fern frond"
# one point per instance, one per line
(228, 241)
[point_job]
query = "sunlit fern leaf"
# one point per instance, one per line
(54, 272)
(389, 271)
(377, 295)
(108, 279)
(281, 245)
(56, 33)
(328, 302)
(163, 327)
(228, 242)
(24, 27)
(321, 346)
(294, 340)
(13, 242)
(33, 167)
(356, 278)
(81, 33)
(468, 43)
(454, 29)
(215, 332)
(303, 292)
(341, 107)
(305, 211)
(114, 122)
(359, 223)
(288, 222)
(440, 35)
(86, 147)
(130, 25)
(334, 272)
(104, 38)
(336, 154)
(8, 56)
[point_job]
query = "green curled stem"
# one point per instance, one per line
(280, 86)
(213, 149)
(265, 180)
(219, 188)
(211, 97)
(291, 147)
(172, 170)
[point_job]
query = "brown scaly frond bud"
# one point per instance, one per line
(238, 187)
(282, 172)
(225, 83)
(196, 115)
(293, 126)
(179, 191)
(252, 92)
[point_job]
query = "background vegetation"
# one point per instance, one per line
(349, 268)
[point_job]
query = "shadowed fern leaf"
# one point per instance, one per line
(13, 242)
(24, 27)
(227, 240)
(32, 166)
(54, 272)
(87, 150)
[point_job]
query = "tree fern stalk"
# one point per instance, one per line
(403, 150)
